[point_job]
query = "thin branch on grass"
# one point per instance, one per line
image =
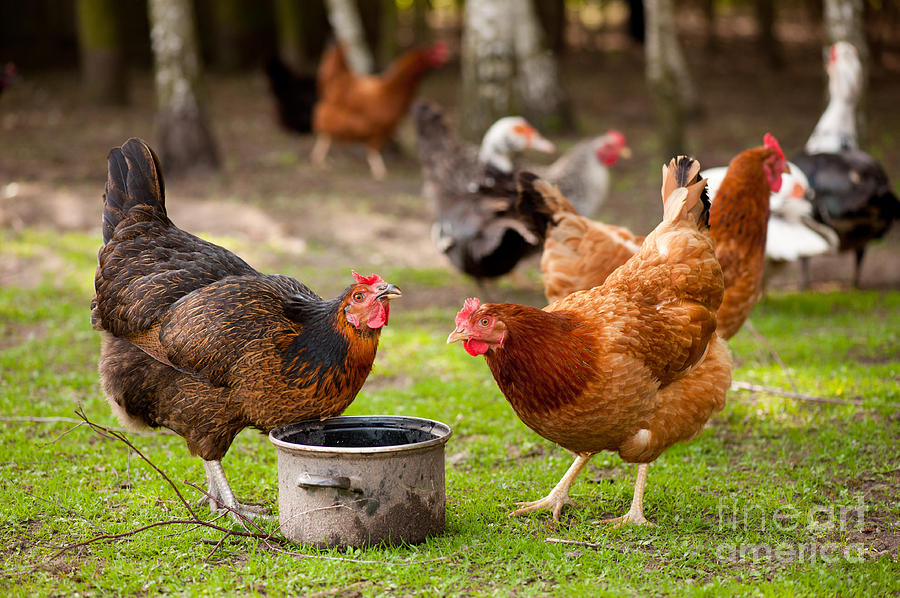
(216, 547)
(72, 420)
(73, 512)
(737, 385)
(574, 542)
(772, 350)
(594, 545)
(106, 432)
(67, 432)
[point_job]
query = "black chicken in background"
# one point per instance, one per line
(295, 95)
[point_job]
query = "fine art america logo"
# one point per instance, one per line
(819, 519)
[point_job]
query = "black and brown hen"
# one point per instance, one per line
(197, 341)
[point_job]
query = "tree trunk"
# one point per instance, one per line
(661, 77)
(488, 65)
(387, 35)
(685, 90)
(543, 100)
(766, 38)
(185, 143)
(348, 29)
(316, 29)
(709, 16)
(289, 28)
(420, 21)
(102, 59)
(233, 35)
(637, 27)
(552, 17)
(844, 22)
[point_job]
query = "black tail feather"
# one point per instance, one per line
(683, 166)
(134, 178)
(532, 204)
(295, 94)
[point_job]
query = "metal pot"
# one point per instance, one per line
(361, 480)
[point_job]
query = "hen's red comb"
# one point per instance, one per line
(770, 142)
(373, 279)
(469, 307)
(616, 136)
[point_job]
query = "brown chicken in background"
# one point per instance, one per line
(739, 220)
(197, 341)
(633, 365)
(367, 108)
(580, 253)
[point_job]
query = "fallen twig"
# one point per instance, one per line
(574, 542)
(594, 545)
(72, 420)
(738, 385)
(108, 432)
(73, 512)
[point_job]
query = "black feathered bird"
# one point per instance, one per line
(852, 195)
(295, 95)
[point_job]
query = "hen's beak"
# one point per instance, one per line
(787, 168)
(389, 292)
(625, 152)
(457, 335)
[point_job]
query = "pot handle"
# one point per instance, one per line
(308, 480)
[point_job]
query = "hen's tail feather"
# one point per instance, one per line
(294, 93)
(683, 172)
(539, 201)
(135, 178)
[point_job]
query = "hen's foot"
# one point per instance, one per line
(635, 517)
(559, 496)
(553, 501)
(248, 510)
(220, 498)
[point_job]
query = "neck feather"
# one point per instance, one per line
(546, 359)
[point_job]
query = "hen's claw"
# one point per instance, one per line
(552, 501)
(637, 518)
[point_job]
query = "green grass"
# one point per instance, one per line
(751, 480)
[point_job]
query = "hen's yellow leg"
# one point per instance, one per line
(559, 496)
(320, 150)
(221, 498)
(376, 164)
(636, 513)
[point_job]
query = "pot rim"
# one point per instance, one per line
(442, 430)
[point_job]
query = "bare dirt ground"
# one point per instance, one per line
(53, 150)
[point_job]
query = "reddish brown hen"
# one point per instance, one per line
(633, 365)
(367, 108)
(579, 253)
(197, 341)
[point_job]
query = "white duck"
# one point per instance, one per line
(836, 129)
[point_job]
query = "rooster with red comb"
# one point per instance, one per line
(739, 221)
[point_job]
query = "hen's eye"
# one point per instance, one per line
(358, 296)
(484, 321)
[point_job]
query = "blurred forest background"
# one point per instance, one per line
(84, 82)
